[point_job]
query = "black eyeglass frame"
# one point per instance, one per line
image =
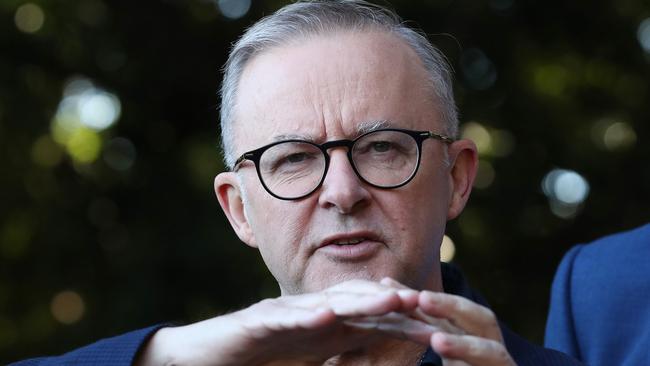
(418, 136)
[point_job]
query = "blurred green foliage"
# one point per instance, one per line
(106, 230)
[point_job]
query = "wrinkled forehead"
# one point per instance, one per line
(332, 86)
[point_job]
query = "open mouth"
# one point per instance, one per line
(353, 248)
(348, 241)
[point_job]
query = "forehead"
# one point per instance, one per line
(327, 86)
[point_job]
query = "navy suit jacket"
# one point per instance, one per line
(600, 301)
(121, 350)
(116, 351)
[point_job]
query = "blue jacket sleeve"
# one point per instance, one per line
(560, 330)
(600, 308)
(116, 351)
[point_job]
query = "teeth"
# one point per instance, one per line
(349, 241)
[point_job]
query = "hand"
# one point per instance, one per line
(467, 333)
(307, 328)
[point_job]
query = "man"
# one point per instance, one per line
(600, 310)
(338, 127)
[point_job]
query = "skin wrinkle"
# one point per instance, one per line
(362, 128)
(319, 95)
(347, 89)
(320, 109)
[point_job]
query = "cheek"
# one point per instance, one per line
(420, 211)
(280, 229)
(432, 188)
(278, 226)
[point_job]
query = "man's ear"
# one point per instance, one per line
(229, 194)
(463, 158)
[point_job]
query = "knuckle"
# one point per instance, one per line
(463, 302)
(499, 351)
(462, 305)
(495, 332)
(504, 356)
(475, 348)
(489, 314)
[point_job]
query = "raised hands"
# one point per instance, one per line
(311, 328)
(467, 333)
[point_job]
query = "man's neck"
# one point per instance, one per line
(390, 352)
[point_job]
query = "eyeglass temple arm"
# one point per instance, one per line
(241, 159)
(443, 138)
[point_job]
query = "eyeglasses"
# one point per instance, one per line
(294, 169)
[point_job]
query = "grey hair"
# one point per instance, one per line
(316, 17)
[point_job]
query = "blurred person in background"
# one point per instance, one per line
(600, 308)
(339, 129)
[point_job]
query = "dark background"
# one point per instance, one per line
(107, 230)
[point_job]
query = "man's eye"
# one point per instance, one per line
(296, 158)
(381, 146)
(294, 161)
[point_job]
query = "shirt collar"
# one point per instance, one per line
(430, 358)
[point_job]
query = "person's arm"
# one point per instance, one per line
(311, 328)
(116, 351)
(303, 328)
(560, 330)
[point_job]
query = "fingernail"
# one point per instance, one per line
(445, 339)
(429, 301)
(406, 292)
(449, 339)
(429, 296)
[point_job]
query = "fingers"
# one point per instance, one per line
(473, 318)
(346, 304)
(459, 316)
(408, 298)
(269, 316)
(474, 336)
(297, 318)
(470, 350)
(313, 326)
(440, 324)
(396, 325)
(356, 298)
(351, 299)
(461, 331)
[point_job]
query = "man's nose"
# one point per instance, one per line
(342, 189)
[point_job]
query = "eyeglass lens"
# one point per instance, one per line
(383, 158)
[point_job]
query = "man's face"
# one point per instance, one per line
(320, 89)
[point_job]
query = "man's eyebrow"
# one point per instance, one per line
(369, 126)
(363, 127)
(284, 137)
